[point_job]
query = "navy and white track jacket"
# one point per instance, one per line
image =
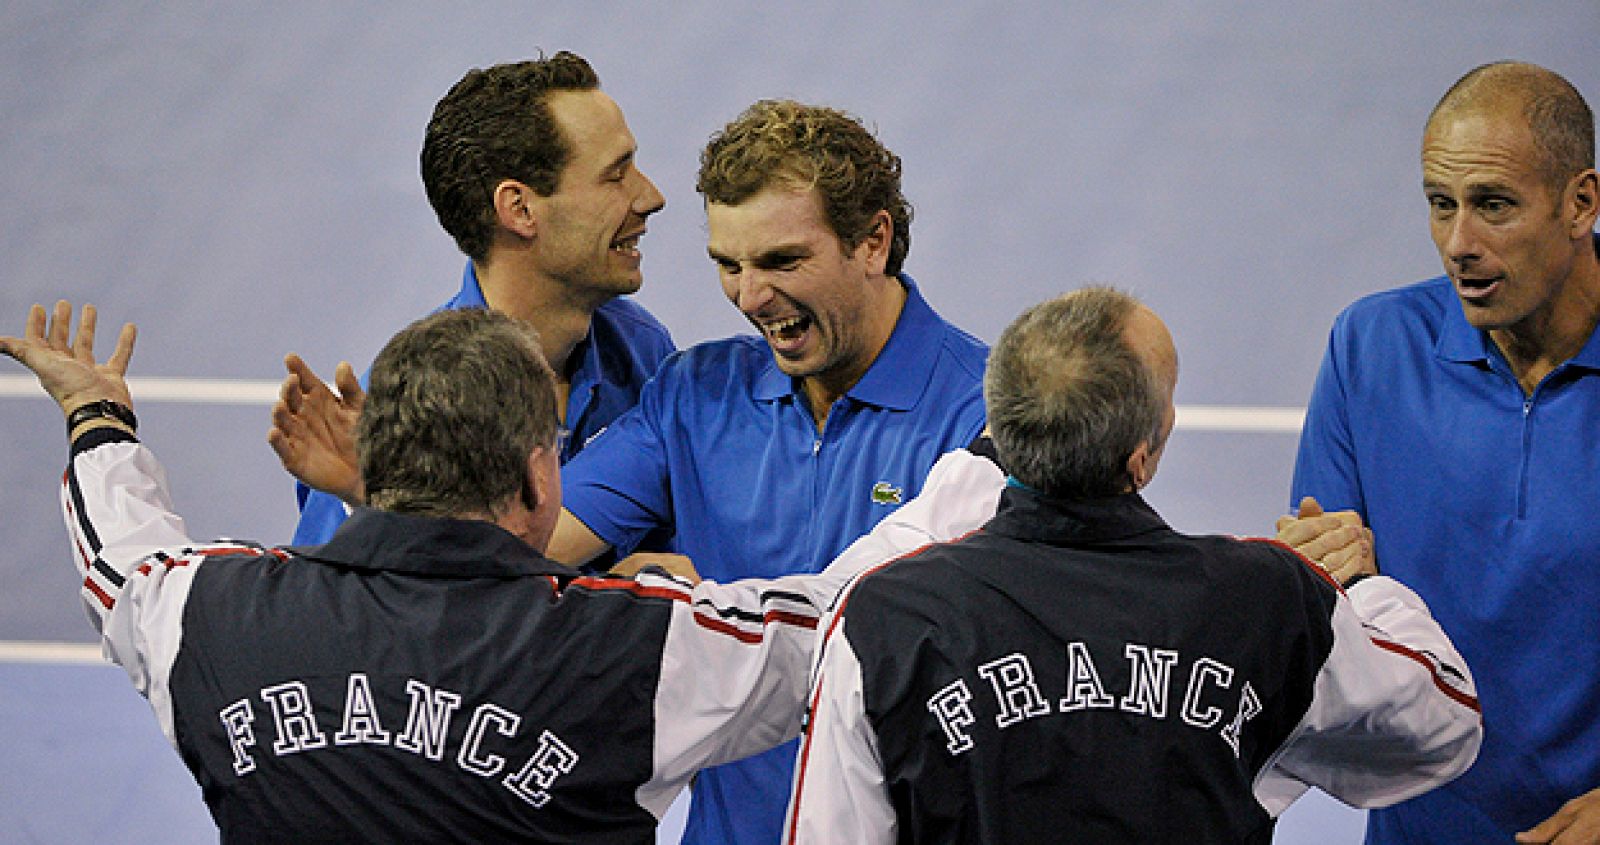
(421, 679)
(1080, 672)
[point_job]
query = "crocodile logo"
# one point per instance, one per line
(884, 493)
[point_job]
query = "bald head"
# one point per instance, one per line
(1076, 387)
(1560, 122)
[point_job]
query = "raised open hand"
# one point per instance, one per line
(65, 365)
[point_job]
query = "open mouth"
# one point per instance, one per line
(1476, 288)
(786, 334)
(628, 246)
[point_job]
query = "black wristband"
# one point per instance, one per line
(102, 409)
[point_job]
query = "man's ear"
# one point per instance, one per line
(539, 483)
(1140, 466)
(513, 208)
(874, 248)
(1585, 192)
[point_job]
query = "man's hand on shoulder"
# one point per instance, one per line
(313, 429)
(65, 365)
(1576, 823)
(1338, 541)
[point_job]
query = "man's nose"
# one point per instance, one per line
(649, 200)
(1461, 239)
(754, 291)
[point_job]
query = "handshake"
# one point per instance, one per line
(1338, 542)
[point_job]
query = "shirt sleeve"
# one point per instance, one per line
(133, 554)
(1394, 712)
(321, 514)
(839, 793)
(1325, 466)
(618, 485)
(734, 665)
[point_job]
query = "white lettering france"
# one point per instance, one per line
(428, 721)
(950, 707)
(361, 723)
(292, 714)
(236, 719)
(505, 724)
(550, 761)
(1014, 687)
(1018, 697)
(426, 732)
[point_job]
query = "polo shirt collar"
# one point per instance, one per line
(439, 547)
(471, 293)
(1458, 340)
(1028, 514)
(898, 376)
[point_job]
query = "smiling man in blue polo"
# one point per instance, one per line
(768, 452)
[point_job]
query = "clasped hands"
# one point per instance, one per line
(1338, 541)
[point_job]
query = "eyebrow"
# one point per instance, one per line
(767, 258)
(621, 162)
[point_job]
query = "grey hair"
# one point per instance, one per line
(458, 401)
(1068, 399)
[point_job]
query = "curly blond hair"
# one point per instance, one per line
(809, 146)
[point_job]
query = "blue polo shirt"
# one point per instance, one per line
(624, 346)
(1483, 500)
(722, 446)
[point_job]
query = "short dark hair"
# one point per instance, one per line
(811, 147)
(1068, 399)
(495, 124)
(457, 402)
(1559, 119)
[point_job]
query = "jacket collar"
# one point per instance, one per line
(1027, 514)
(435, 546)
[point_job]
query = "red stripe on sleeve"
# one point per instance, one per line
(631, 586)
(805, 743)
(222, 551)
(1454, 694)
(105, 599)
(816, 694)
(799, 620)
(712, 623)
(82, 553)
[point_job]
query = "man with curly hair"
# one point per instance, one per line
(766, 453)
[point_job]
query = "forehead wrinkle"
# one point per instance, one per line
(1478, 151)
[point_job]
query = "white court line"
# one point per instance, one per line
(1226, 418)
(17, 651)
(158, 389)
(1240, 418)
